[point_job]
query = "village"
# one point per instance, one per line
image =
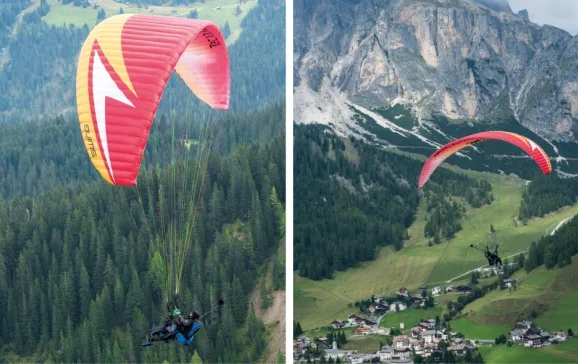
(429, 338)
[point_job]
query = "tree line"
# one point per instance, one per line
(546, 194)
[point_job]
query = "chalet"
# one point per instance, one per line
(509, 282)
(403, 292)
(354, 320)
(423, 325)
(377, 299)
(397, 305)
(337, 324)
(368, 323)
(516, 335)
(441, 334)
(427, 324)
(356, 358)
(459, 349)
(296, 346)
(385, 353)
(401, 352)
(532, 341)
(362, 331)
(401, 357)
(416, 345)
(381, 308)
(464, 289)
(401, 341)
(419, 301)
(523, 325)
(321, 342)
(428, 336)
(436, 291)
(558, 336)
(428, 350)
(545, 337)
(415, 331)
(533, 330)
(450, 288)
(372, 309)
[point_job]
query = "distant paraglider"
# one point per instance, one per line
(520, 141)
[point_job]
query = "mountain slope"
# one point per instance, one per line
(458, 59)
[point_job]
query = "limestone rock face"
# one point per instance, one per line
(471, 60)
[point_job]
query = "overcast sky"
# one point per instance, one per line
(562, 14)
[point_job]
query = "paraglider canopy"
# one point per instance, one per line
(123, 68)
(527, 145)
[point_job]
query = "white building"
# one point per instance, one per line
(335, 353)
(385, 353)
(356, 358)
(397, 304)
(428, 336)
(436, 291)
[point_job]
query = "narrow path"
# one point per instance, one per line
(470, 271)
(560, 224)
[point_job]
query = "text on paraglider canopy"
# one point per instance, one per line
(210, 37)
(89, 141)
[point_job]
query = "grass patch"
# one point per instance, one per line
(563, 353)
(217, 11)
(473, 330)
(364, 344)
(410, 318)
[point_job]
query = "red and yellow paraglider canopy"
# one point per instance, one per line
(123, 68)
(520, 141)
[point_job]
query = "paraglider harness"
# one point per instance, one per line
(492, 257)
(176, 324)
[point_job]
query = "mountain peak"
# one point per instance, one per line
(497, 5)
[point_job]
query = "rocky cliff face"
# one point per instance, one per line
(467, 60)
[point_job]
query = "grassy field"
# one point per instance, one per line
(317, 303)
(563, 353)
(410, 317)
(550, 295)
(365, 344)
(473, 330)
(68, 14)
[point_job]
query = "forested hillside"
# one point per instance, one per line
(554, 250)
(78, 257)
(9, 10)
(39, 78)
(546, 194)
(351, 198)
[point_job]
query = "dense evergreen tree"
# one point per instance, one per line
(547, 193)
(554, 250)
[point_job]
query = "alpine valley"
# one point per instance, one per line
(379, 86)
